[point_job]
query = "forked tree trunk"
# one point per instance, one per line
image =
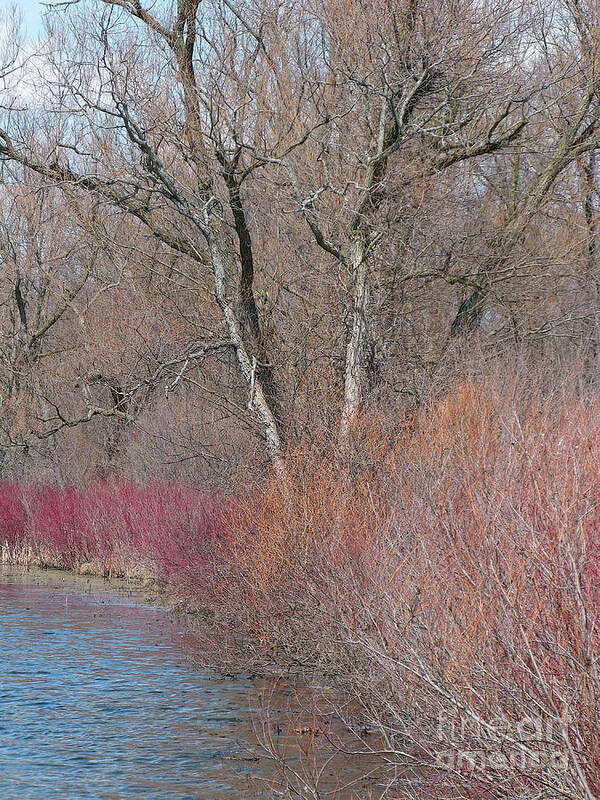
(223, 260)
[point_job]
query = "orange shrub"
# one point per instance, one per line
(445, 575)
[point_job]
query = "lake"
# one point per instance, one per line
(99, 700)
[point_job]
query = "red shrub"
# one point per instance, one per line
(161, 529)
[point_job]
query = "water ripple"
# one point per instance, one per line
(97, 701)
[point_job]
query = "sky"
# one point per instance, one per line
(32, 14)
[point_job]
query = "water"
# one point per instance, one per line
(98, 700)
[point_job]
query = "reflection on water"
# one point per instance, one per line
(98, 701)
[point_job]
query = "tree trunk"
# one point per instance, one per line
(223, 268)
(592, 347)
(352, 371)
(573, 142)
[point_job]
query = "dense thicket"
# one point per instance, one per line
(442, 608)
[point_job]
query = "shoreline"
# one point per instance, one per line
(142, 589)
(86, 577)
